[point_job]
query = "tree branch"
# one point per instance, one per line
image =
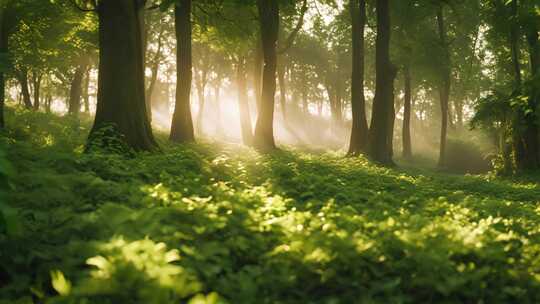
(289, 41)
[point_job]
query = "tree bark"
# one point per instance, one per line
(217, 105)
(444, 86)
(76, 90)
(514, 43)
(201, 88)
(282, 91)
(305, 101)
(534, 49)
(531, 134)
(86, 91)
(22, 76)
(121, 100)
(153, 78)
(258, 75)
(458, 104)
(380, 135)
(359, 132)
(243, 104)
(407, 149)
(269, 24)
(3, 52)
(36, 83)
(182, 123)
(48, 102)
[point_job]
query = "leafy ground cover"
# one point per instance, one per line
(210, 223)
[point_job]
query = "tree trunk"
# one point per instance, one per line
(3, 52)
(534, 49)
(514, 42)
(258, 75)
(380, 136)
(121, 100)
(86, 89)
(338, 116)
(305, 102)
(201, 88)
(76, 90)
(531, 138)
(458, 104)
(444, 86)
(359, 131)
(182, 124)
(153, 79)
(269, 24)
(48, 102)
(23, 81)
(217, 104)
(282, 91)
(36, 83)
(243, 104)
(407, 149)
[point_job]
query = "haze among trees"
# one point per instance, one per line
(269, 151)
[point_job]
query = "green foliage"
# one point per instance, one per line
(106, 140)
(224, 224)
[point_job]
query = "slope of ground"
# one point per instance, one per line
(205, 223)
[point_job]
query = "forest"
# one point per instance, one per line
(269, 151)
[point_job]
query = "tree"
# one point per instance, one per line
(182, 123)
(269, 27)
(381, 130)
(444, 85)
(359, 131)
(406, 136)
(243, 104)
(121, 101)
(76, 89)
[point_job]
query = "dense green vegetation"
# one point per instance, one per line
(221, 223)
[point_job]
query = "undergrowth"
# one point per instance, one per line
(209, 223)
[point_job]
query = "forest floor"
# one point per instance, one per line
(210, 223)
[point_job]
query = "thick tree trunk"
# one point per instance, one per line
(407, 149)
(243, 104)
(121, 100)
(182, 124)
(531, 140)
(269, 24)
(444, 86)
(380, 135)
(36, 83)
(22, 76)
(76, 90)
(359, 131)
